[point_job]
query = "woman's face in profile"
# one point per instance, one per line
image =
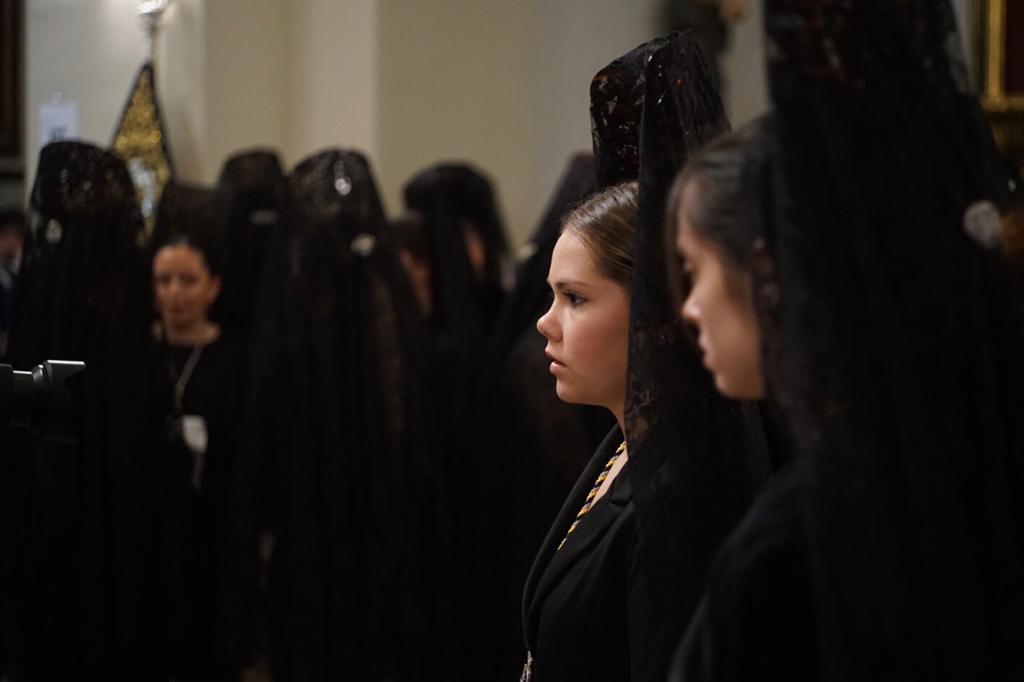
(720, 305)
(587, 328)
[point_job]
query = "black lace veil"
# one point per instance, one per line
(85, 551)
(251, 190)
(340, 438)
(696, 459)
(189, 211)
(84, 231)
(449, 197)
(901, 367)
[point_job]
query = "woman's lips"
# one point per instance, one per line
(555, 365)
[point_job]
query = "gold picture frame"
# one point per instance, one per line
(998, 30)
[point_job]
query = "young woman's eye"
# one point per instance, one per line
(574, 299)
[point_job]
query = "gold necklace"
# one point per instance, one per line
(589, 502)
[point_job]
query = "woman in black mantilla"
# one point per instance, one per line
(457, 257)
(339, 431)
(85, 592)
(467, 250)
(612, 602)
(864, 290)
(205, 370)
(762, 572)
(251, 189)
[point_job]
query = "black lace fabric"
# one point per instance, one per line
(901, 338)
(695, 459)
(187, 210)
(341, 439)
(616, 109)
(84, 230)
(455, 200)
(452, 198)
(84, 550)
(251, 191)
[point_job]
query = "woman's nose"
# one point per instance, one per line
(545, 325)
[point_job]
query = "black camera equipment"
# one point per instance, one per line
(41, 399)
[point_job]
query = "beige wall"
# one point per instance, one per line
(744, 87)
(569, 42)
(502, 84)
(453, 85)
(332, 74)
(244, 72)
(293, 75)
(181, 84)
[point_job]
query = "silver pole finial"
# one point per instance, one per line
(150, 12)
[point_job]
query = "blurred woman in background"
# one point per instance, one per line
(205, 369)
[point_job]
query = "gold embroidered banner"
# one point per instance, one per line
(140, 140)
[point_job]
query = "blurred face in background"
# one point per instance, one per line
(11, 242)
(184, 287)
(414, 255)
(476, 251)
(418, 271)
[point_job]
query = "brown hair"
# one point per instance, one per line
(719, 210)
(605, 223)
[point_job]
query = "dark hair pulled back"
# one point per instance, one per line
(718, 209)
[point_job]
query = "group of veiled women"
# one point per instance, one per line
(784, 366)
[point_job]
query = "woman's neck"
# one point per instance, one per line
(198, 334)
(619, 412)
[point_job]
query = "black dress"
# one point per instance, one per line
(575, 616)
(214, 392)
(756, 620)
(201, 491)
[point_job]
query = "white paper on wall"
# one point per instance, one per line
(58, 120)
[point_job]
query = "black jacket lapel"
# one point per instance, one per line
(565, 517)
